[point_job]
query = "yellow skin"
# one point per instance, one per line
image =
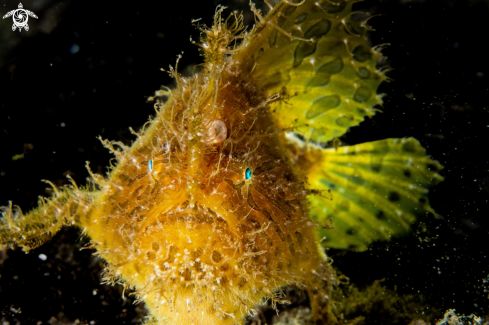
(208, 213)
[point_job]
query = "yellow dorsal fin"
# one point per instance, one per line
(317, 58)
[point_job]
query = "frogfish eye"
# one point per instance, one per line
(247, 174)
(150, 165)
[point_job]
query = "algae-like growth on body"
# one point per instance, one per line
(228, 194)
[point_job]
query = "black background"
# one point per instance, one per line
(53, 104)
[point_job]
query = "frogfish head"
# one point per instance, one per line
(204, 213)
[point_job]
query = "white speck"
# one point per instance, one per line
(43, 257)
(94, 292)
(62, 124)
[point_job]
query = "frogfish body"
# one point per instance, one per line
(216, 205)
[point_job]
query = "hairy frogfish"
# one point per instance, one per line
(229, 192)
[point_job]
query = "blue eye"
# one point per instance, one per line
(150, 164)
(248, 173)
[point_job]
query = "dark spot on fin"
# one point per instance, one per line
(432, 167)
(300, 18)
(394, 197)
(319, 29)
(362, 53)
(381, 215)
(333, 7)
(409, 146)
(305, 49)
(376, 167)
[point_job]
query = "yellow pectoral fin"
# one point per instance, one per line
(376, 190)
(317, 58)
(34, 228)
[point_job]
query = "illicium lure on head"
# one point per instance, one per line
(216, 205)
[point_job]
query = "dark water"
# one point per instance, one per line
(85, 68)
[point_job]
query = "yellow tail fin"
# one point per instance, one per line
(374, 190)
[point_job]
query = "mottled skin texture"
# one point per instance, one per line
(241, 241)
